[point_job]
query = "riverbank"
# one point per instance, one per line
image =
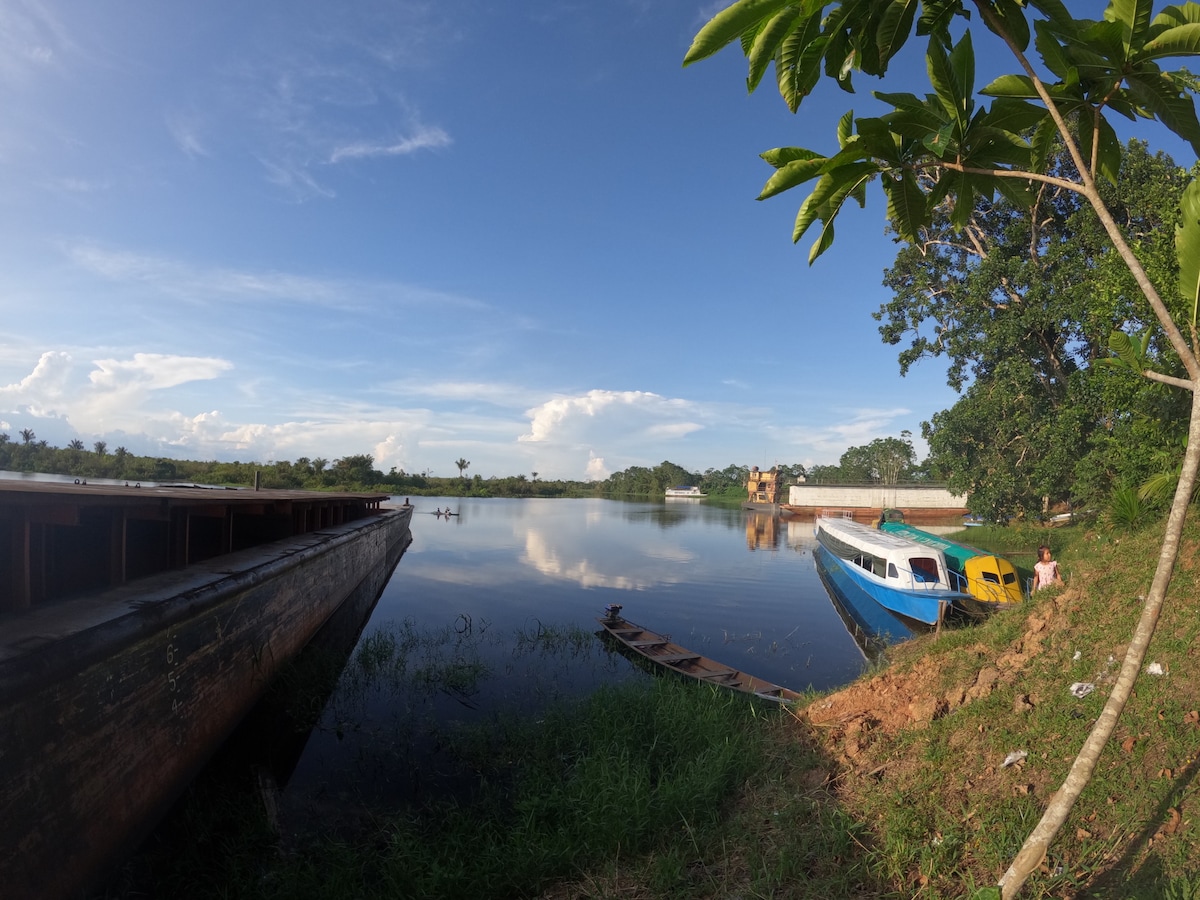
(896, 786)
(938, 766)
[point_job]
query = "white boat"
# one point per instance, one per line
(902, 576)
(684, 490)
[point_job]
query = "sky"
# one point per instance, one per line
(522, 235)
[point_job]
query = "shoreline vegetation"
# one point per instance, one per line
(30, 456)
(921, 779)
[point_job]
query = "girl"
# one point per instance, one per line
(1045, 570)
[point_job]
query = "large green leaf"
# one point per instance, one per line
(900, 101)
(1173, 16)
(1054, 10)
(766, 43)
(1018, 86)
(877, 140)
(1013, 115)
(832, 187)
(798, 63)
(1012, 22)
(1161, 96)
(894, 26)
(1108, 157)
(917, 124)
(728, 26)
(953, 77)
(1183, 40)
(1041, 144)
(1187, 246)
(852, 182)
(1134, 18)
(781, 156)
(792, 174)
(1050, 49)
(906, 205)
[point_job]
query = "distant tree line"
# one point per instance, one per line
(884, 460)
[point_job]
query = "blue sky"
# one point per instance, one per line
(521, 234)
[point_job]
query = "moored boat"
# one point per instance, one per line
(662, 651)
(905, 578)
(991, 580)
(686, 491)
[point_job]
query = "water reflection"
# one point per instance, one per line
(494, 614)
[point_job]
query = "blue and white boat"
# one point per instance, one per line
(905, 578)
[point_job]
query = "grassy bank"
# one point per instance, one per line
(921, 779)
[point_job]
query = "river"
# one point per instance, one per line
(492, 611)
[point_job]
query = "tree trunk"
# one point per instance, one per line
(1034, 849)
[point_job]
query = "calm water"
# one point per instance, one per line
(482, 601)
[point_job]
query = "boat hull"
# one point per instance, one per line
(870, 623)
(905, 578)
(669, 656)
(113, 702)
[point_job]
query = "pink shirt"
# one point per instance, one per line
(1044, 574)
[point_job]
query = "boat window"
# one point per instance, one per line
(924, 569)
(892, 573)
(991, 577)
(1010, 577)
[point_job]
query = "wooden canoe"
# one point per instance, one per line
(660, 650)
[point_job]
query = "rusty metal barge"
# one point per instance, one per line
(138, 625)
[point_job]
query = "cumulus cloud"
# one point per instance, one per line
(44, 391)
(568, 418)
(595, 470)
(112, 396)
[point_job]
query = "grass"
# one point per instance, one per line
(894, 787)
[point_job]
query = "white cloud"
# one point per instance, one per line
(43, 392)
(154, 371)
(595, 470)
(208, 285)
(569, 418)
(423, 139)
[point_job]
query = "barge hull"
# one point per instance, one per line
(112, 703)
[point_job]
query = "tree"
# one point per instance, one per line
(463, 464)
(101, 448)
(27, 435)
(1021, 304)
(948, 151)
(883, 461)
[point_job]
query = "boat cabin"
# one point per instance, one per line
(901, 563)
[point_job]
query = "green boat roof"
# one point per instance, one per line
(956, 554)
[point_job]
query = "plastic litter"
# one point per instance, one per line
(1082, 688)
(1015, 757)
(1078, 653)
(1155, 669)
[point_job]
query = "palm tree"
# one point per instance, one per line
(462, 465)
(27, 435)
(101, 447)
(76, 444)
